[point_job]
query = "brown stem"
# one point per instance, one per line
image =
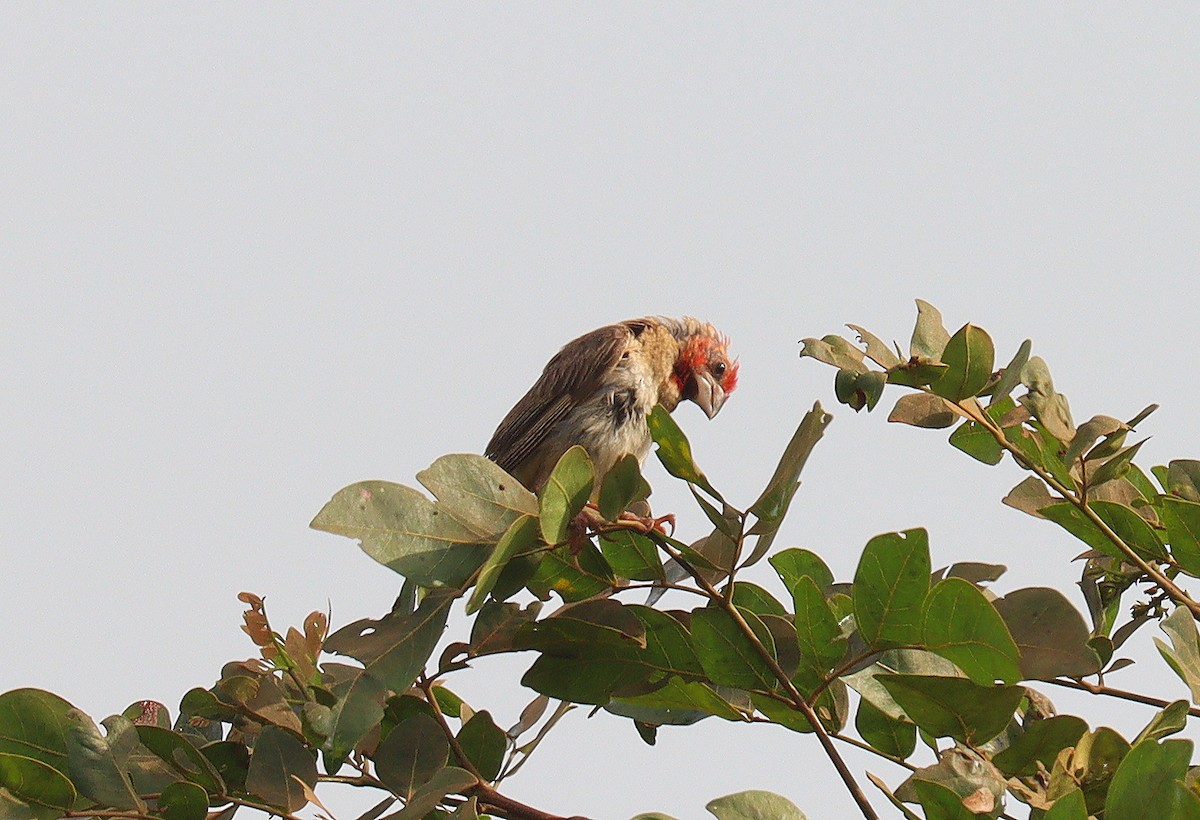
(426, 685)
(973, 411)
(797, 700)
(503, 806)
(497, 803)
(1097, 689)
(866, 747)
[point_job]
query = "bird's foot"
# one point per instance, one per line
(648, 523)
(589, 520)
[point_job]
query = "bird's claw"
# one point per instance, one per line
(647, 524)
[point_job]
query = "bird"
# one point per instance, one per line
(599, 388)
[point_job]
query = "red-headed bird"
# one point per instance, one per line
(598, 390)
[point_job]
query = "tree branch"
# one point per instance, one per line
(1099, 689)
(973, 410)
(797, 700)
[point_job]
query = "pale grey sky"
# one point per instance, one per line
(253, 253)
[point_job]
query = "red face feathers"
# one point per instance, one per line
(703, 372)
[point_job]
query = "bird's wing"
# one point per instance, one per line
(574, 374)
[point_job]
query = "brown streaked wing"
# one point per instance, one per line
(574, 374)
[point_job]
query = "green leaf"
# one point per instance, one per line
(521, 537)
(728, 656)
(836, 351)
(1149, 783)
(1041, 742)
(954, 707)
(1070, 806)
(1124, 522)
(756, 599)
(496, 625)
(923, 410)
(669, 647)
(1183, 479)
(1046, 404)
(975, 571)
(591, 651)
(1183, 655)
(940, 802)
(40, 785)
(34, 724)
(99, 763)
(278, 760)
(886, 734)
(754, 805)
(566, 492)
(450, 703)
(148, 713)
(879, 784)
(676, 703)
(1050, 634)
(859, 390)
(594, 680)
(632, 555)
(575, 574)
(1089, 433)
(412, 753)
(583, 627)
(484, 744)
(916, 372)
(793, 564)
(393, 650)
(930, 336)
(1116, 467)
(1092, 765)
(1171, 720)
(1030, 496)
(476, 492)
(877, 351)
(772, 504)
(890, 586)
(230, 759)
(183, 800)
(184, 758)
(1132, 528)
(674, 451)
(1182, 519)
(962, 627)
(450, 780)
(817, 630)
(970, 356)
(406, 532)
(977, 441)
(622, 485)
(1010, 377)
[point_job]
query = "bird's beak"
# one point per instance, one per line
(709, 395)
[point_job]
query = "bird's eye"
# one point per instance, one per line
(719, 369)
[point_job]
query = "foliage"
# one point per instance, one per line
(905, 651)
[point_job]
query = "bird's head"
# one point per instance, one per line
(704, 372)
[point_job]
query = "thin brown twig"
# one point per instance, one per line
(426, 685)
(661, 585)
(1123, 694)
(866, 747)
(250, 804)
